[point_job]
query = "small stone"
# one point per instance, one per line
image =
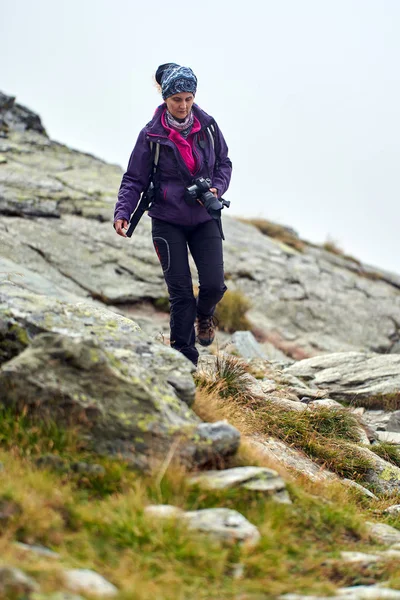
(228, 526)
(184, 387)
(210, 440)
(40, 550)
(301, 597)
(163, 511)
(359, 558)
(236, 571)
(385, 534)
(368, 592)
(84, 468)
(14, 581)
(56, 596)
(392, 510)
(258, 479)
(328, 403)
(51, 461)
(89, 582)
(359, 487)
(8, 510)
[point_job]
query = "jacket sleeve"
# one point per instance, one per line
(135, 180)
(223, 165)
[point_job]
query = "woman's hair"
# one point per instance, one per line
(161, 70)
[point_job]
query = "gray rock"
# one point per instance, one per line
(88, 582)
(389, 436)
(290, 458)
(394, 421)
(247, 346)
(382, 533)
(377, 420)
(259, 479)
(352, 376)
(226, 525)
(184, 387)
(20, 118)
(15, 582)
(384, 476)
(107, 376)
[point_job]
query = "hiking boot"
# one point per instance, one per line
(206, 329)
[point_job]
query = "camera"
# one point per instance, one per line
(200, 191)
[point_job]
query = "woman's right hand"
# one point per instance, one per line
(120, 225)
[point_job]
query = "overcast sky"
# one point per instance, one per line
(306, 92)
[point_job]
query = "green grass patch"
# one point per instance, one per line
(387, 451)
(147, 558)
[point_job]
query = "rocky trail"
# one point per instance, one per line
(83, 344)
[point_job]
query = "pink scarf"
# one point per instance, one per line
(185, 146)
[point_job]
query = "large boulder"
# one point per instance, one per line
(351, 376)
(80, 364)
(305, 299)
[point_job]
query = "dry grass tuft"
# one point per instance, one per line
(388, 402)
(326, 435)
(231, 312)
(279, 232)
(229, 377)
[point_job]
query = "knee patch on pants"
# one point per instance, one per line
(161, 247)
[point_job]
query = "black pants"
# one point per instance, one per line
(205, 244)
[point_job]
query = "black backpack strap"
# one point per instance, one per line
(149, 193)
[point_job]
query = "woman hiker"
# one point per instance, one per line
(190, 146)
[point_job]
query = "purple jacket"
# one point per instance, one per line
(172, 173)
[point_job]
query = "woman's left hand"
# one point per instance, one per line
(214, 191)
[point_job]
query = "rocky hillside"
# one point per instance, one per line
(56, 208)
(128, 474)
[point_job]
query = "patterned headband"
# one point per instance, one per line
(178, 79)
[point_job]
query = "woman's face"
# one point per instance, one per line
(180, 105)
